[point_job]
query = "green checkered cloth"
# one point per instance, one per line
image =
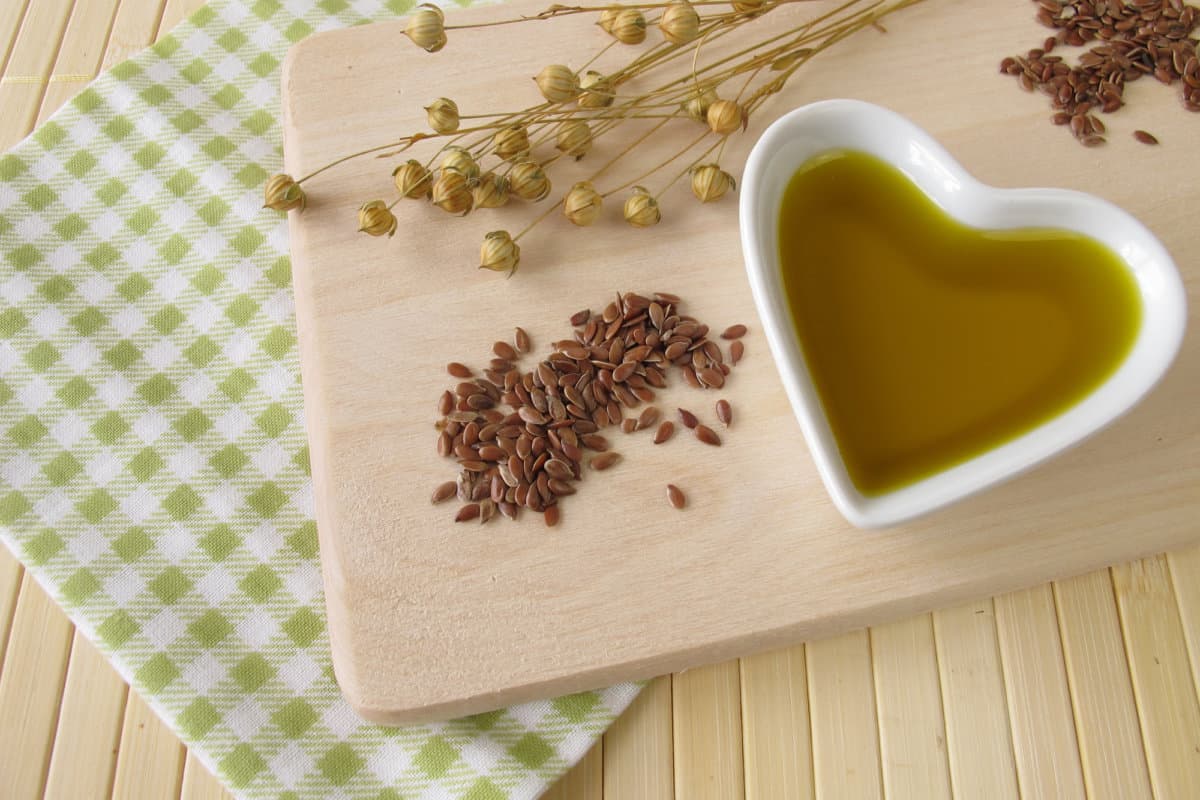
(153, 464)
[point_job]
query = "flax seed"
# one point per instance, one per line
(734, 332)
(522, 341)
(594, 441)
(604, 461)
(724, 412)
(708, 435)
(675, 496)
(444, 492)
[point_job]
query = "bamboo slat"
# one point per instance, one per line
(199, 783)
(150, 761)
(584, 781)
(845, 733)
(977, 729)
(10, 589)
(79, 55)
(1039, 703)
(1162, 677)
(775, 725)
(133, 28)
(28, 67)
(1185, 579)
(88, 735)
(638, 757)
(31, 689)
(175, 12)
(1110, 743)
(707, 713)
(11, 14)
(912, 730)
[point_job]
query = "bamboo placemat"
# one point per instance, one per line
(1086, 687)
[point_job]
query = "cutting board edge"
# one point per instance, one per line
(806, 630)
(338, 617)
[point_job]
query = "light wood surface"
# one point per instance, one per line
(777, 743)
(707, 722)
(912, 730)
(978, 732)
(637, 756)
(760, 559)
(1039, 704)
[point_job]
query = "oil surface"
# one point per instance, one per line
(929, 341)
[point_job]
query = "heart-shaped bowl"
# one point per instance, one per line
(852, 125)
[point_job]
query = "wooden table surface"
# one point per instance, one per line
(1081, 688)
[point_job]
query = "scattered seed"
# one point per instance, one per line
(604, 461)
(1145, 137)
(580, 318)
(675, 496)
(487, 510)
(1145, 37)
(708, 435)
(521, 338)
(468, 512)
(734, 332)
(736, 351)
(629, 425)
(648, 417)
(444, 492)
(458, 370)
(666, 430)
(724, 412)
(551, 515)
(688, 418)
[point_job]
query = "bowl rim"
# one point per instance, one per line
(819, 127)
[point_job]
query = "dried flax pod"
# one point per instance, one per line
(477, 159)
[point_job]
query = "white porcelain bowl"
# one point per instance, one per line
(848, 124)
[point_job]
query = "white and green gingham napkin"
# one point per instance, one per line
(153, 465)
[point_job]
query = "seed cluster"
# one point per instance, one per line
(531, 455)
(1144, 37)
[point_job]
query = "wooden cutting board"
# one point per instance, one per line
(431, 619)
